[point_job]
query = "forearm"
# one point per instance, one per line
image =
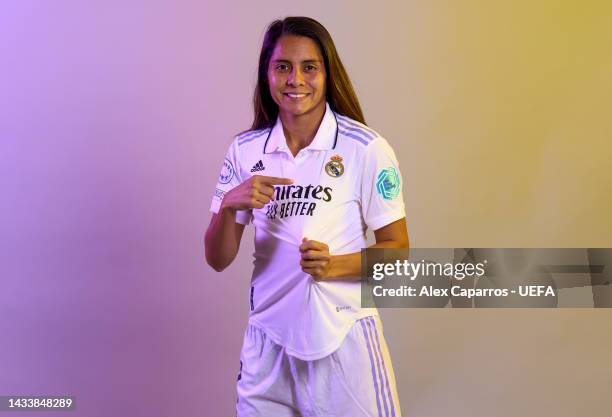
(222, 239)
(348, 267)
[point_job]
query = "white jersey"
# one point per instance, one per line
(345, 181)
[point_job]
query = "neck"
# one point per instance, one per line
(300, 130)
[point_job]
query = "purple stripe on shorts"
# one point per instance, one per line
(384, 368)
(380, 377)
(365, 334)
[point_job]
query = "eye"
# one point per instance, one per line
(281, 67)
(310, 68)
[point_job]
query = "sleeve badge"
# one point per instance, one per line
(227, 172)
(388, 183)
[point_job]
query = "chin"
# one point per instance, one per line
(295, 111)
(299, 110)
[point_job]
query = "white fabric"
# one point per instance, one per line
(310, 318)
(356, 380)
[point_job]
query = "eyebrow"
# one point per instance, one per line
(306, 61)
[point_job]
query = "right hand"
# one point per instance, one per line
(255, 192)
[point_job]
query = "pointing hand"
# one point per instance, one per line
(255, 192)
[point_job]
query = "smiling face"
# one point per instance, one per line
(296, 76)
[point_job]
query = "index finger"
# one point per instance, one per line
(275, 180)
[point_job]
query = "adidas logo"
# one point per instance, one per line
(258, 167)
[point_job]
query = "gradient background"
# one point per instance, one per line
(114, 120)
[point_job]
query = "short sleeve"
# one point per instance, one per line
(229, 178)
(382, 201)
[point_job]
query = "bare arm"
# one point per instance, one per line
(317, 261)
(222, 239)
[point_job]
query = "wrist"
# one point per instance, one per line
(226, 207)
(345, 267)
(335, 267)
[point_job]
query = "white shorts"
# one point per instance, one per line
(355, 380)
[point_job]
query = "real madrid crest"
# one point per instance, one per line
(334, 167)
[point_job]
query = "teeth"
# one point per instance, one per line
(295, 95)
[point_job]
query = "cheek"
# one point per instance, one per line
(320, 85)
(272, 82)
(274, 90)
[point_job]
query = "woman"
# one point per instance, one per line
(312, 177)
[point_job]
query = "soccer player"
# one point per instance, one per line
(312, 177)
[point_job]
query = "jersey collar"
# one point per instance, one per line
(325, 138)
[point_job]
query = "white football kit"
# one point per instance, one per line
(345, 181)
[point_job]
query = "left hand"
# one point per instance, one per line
(316, 259)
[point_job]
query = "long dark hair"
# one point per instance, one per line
(339, 91)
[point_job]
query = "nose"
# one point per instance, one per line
(296, 77)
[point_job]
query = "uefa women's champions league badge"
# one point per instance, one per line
(388, 183)
(227, 172)
(334, 167)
